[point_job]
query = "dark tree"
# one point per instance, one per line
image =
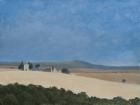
(65, 70)
(21, 66)
(37, 66)
(30, 65)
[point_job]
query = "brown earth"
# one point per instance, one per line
(132, 77)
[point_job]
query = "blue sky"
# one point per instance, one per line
(98, 31)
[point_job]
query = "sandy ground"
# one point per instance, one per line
(93, 87)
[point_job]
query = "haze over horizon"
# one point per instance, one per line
(98, 31)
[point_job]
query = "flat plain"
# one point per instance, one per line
(131, 77)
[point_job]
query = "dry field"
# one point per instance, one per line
(131, 77)
(92, 86)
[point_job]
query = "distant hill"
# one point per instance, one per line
(68, 64)
(73, 65)
(82, 64)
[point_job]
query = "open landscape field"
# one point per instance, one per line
(92, 86)
(131, 77)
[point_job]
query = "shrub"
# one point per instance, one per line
(10, 99)
(37, 66)
(123, 80)
(37, 95)
(65, 70)
(135, 101)
(120, 101)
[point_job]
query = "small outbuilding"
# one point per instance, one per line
(50, 68)
(26, 67)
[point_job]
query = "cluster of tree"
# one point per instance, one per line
(21, 66)
(15, 94)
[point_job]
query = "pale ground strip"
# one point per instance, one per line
(93, 87)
